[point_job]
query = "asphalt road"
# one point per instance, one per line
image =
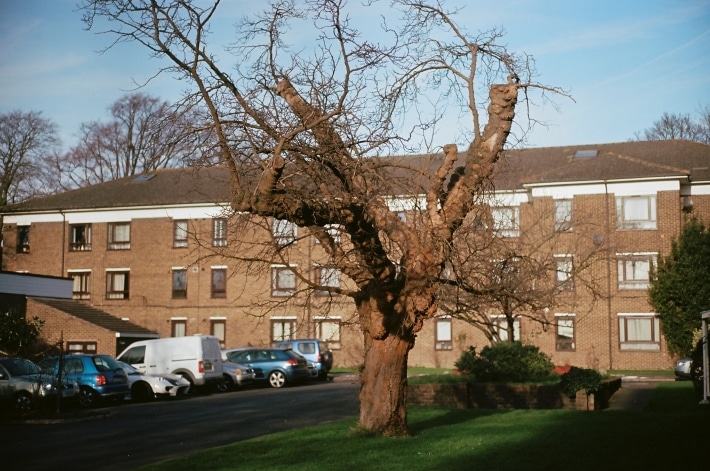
(132, 435)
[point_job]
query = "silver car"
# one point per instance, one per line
(235, 376)
(682, 369)
(23, 385)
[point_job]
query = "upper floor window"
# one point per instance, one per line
(81, 284)
(328, 277)
(117, 284)
(179, 283)
(283, 281)
(564, 272)
(634, 270)
(23, 239)
(639, 332)
(219, 232)
(284, 231)
(636, 212)
(334, 231)
(79, 237)
(282, 328)
(219, 282)
(505, 221)
(563, 215)
(443, 340)
(180, 234)
(564, 332)
(500, 327)
(119, 235)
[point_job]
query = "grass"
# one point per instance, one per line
(672, 431)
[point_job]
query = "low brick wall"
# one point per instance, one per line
(508, 396)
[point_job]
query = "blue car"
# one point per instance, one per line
(98, 376)
(273, 365)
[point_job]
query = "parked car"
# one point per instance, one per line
(23, 384)
(148, 387)
(314, 350)
(235, 376)
(196, 358)
(276, 366)
(682, 369)
(98, 376)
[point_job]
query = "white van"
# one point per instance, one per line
(197, 359)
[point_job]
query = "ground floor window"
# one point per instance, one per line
(218, 328)
(443, 340)
(639, 331)
(75, 346)
(328, 330)
(178, 327)
(282, 328)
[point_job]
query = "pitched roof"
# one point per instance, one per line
(545, 165)
(95, 316)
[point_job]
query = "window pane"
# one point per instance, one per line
(219, 283)
(179, 283)
(563, 215)
(639, 330)
(180, 234)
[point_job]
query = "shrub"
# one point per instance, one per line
(506, 361)
(577, 379)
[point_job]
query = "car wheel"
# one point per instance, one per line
(277, 379)
(88, 397)
(24, 403)
(225, 385)
(142, 392)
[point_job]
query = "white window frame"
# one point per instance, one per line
(506, 220)
(282, 328)
(219, 232)
(443, 335)
(636, 212)
(180, 234)
(633, 269)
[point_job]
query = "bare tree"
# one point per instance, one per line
(679, 126)
(143, 134)
(299, 131)
(505, 264)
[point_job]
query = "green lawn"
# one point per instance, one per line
(671, 433)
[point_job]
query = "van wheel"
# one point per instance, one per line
(142, 392)
(88, 397)
(277, 379)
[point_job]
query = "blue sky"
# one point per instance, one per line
(625, 62)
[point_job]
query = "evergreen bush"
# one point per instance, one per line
(506, 361)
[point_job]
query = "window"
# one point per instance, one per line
(81, 347)
(505, 221)
(282, 328)
(218, 328)
(443, 334)
(219, 282)
(565, 332)
(117, 284)
(79, 237)
(563, 215)
(81, 284)
(134, 355)
(219, 232)
(636, 212)
(180, 234)
(639, 332)
(563, 272)
(23, 239)
(633, 270)
(283, 281)
(328, 330)
(178, 327)
(119, 236)
(284, 231)
(334, 231)
(179, 283)
(500, 327)
(328, 277)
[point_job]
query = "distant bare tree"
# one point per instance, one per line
(299, 130)
(143, 134)
(26, 139)
(679, 126)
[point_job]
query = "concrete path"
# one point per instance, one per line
(634, 392)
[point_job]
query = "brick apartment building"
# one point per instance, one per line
(158, 251)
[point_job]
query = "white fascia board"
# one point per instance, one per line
(618, 188)
(696, 189)
(405, 202)
(507, 198)
(85, 216)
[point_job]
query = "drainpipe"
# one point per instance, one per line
(608, 276)
(64, 239)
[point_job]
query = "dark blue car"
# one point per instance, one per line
(273, 365)
(98, 376)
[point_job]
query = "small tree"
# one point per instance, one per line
(679, 289)
(18, 335)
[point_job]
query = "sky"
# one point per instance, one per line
(624, 62)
